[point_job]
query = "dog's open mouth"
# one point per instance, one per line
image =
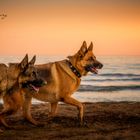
(92, 69)
(31, 87)
(34, 85)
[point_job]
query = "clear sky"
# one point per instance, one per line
(58, 27)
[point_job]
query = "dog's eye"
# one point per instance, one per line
(80, 56)
(34, 73)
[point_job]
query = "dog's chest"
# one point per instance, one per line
(71, 86)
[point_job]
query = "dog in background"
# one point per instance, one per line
(14, 79)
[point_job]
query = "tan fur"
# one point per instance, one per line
(62, 82)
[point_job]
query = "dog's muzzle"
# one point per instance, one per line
(94, 68)
(34, 85)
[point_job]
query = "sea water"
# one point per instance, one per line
(118, 80)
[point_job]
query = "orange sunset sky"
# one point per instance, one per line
(58, 27)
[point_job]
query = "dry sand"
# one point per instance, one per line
(103, 121)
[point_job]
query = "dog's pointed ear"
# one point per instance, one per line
(32, 62)
(90, 48)
(83, 48)
(24, 62)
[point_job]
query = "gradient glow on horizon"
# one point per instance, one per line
(58, 27)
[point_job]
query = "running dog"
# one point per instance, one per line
(63, 79)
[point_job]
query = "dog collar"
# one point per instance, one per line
(73, 69)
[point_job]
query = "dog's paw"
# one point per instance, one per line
(85, 124)
(82, 123)
(10, 127)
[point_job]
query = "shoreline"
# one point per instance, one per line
(103, 120)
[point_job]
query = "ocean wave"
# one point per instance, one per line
(109, 79)
(107, 88)
(119, 74)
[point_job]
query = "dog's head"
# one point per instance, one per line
(29, 77)
(85, 60)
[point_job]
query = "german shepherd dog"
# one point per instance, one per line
(63, 79)
(14, 78)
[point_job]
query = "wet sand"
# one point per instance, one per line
(103, 121)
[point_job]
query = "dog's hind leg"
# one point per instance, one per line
(72, 101)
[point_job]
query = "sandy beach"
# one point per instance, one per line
(103, 121)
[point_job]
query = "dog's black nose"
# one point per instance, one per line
(44, 82)
(101, 65)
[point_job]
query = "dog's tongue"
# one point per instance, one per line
(94, 70)
(35, 88)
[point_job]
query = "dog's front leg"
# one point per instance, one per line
(27, 111)
(52, 109)
(72, 101)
